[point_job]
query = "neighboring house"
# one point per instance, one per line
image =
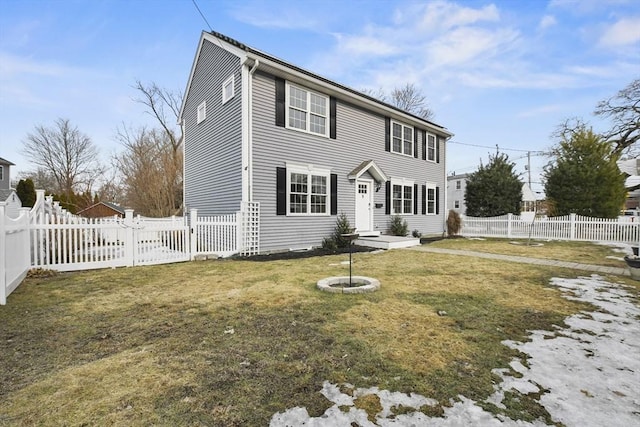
(456, 186)
(632, 182)
(101, 210)
(8, 196)
(5, 176)
(306, 148)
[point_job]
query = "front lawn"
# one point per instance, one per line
(230, 343)
(580, 252)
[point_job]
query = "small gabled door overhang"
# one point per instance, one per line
(373, 169)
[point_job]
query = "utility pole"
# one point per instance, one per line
(529, 166)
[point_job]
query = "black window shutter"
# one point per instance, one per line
(437, 149)
(424, 200)
(332, 118)
(280, 102)
(415, 199)
(387, 134)
(334, 194)
(387, 207)
(437, 200)
(415, 143)
(424, 145)
(281, 185)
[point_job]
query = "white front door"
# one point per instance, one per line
(364, 202)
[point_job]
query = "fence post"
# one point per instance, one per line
(572, 226)
(193, 229)
(3, 258)
(239, 229)
(129, 242)
(509, 219)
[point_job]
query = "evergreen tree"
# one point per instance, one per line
(26, 192)
(494, 189)
(583, 178)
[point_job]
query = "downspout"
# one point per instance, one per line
(446, 190)
(250, 124)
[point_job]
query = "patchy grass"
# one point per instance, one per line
(232, 342)
(581, 252)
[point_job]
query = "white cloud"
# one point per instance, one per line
(547, 21)
(542, 110)
(258, 15)
(466, 44)
(364, 45)
(443, 15)
(624, 32)
(11, 65)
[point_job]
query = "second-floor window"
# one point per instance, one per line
(227, 89)
(401, 138)
(307, 110)
(458, 185)
(202, 111)
(431, 147)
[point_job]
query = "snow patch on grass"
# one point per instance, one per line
(588, 371)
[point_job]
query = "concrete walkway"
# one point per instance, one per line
(526, 260)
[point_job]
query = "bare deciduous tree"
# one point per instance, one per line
(158, 101)
(408, 98)
(151, 172)
(151, 163)
(624, 111)
(65, 154)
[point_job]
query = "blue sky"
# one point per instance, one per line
(494, 72)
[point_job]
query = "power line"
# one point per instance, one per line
(202, 14)
(500, 148)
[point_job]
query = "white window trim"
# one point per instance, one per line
(404, 183)
(435, 147)
(413, 139)
(308, 110)
(201, 112)
(431, 186)
(230, 80)
(309, 170)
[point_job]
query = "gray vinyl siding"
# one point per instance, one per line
(360, 137)
(213, 148)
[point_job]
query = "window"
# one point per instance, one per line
(431, 199)
(202, 111)
(456, 204)
(458, 185)
(308, 189)
(1, 173)
(307, 111)
(401, 197)
(431, 148)
(401, 139)
(227, 89)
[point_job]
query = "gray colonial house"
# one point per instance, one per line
(258, 129)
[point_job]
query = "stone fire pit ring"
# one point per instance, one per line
(340, 284)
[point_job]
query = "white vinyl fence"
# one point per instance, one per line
(48, 237)
(14, 251)
(569, 227)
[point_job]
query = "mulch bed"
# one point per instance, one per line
(307, 253)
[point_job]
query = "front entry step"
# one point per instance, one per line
(368, 233)
(387, 242)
